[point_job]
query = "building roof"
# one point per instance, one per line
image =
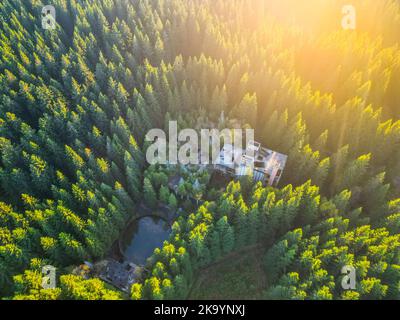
(229, 156)
(254, 157)
(273, 161)
(120, 275)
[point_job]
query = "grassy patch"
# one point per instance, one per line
(240, 276)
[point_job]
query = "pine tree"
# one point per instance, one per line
(247, 109)
(150, 196)
(164, 194)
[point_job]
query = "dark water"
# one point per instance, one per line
(142, 237)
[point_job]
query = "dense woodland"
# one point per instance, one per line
(76, 103)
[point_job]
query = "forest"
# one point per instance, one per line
(76, 103)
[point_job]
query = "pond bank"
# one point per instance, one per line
(143, 233)
(162, 212)
(142, 237)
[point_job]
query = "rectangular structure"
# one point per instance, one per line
(263, 164)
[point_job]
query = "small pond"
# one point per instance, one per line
(142, 236)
